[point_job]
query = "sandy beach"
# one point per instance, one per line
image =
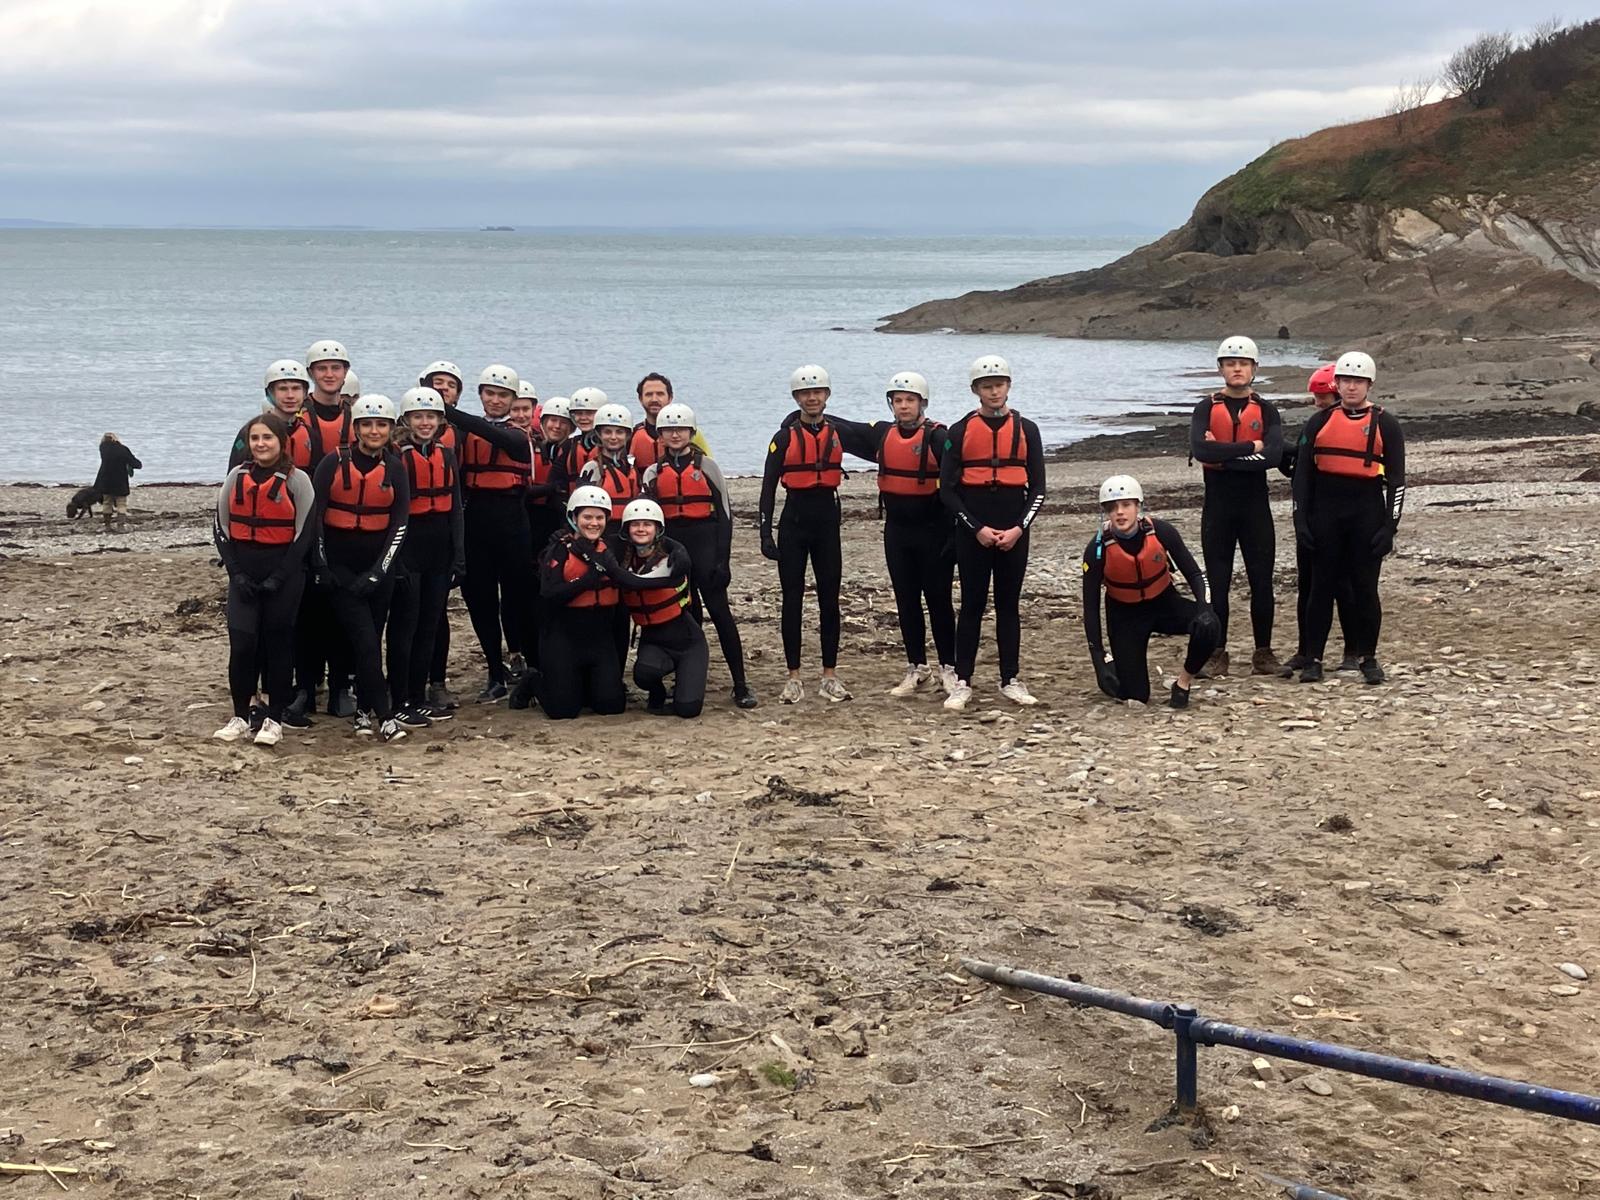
(490, 959)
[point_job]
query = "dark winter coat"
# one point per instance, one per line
(117, 463)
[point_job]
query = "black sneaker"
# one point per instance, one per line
(411, 717)
(1371, 671)
(526, 693)
(341, 703)
(363, 723)
(1312, 672)
(435, 714)
(440, 696)
(258, 714)
(303, 704)
(493, 692)
(1348, 663)
(744, 697)
(1297, 662)
(390, 731)
(656, 700)
(1179, 698)
(294, 719)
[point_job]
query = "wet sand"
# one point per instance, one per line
(487, 961)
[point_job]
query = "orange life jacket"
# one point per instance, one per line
(432, 477)
(300, 442)
(1131, 578)
(261, 512)
(542, 466)
(621, 484)
(359, 500)
(656, 606)
(446, 437)
(814, 458)
(644, 445)
(905, 464)
(580, 452)
(325, 436)
(1247, 427)
(606, 595)
(684, 491)
(1350, 445)
(487, 468)
(982, 464)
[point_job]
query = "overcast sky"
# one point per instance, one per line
(945, 115)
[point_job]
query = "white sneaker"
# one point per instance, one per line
(1017, 692)
(363, 723)
(959, 696)
(915, 677)
(832, 690)
(948, 679)
(236, 728)
(792, 692)
(270, 733)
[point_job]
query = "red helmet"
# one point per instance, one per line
(1322, 382)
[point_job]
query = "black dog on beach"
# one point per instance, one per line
(83, 502)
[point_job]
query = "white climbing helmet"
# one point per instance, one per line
(809, 376)
(1121, 487)
(326, 350)
(644, 509)
(440, 366)
(373, 407)
(1357, 365)
(909, 381)
(588, 399)
(614, 416)
(421, 399)
(498, 375)
(990, 366)
(675, 416)
(557, 406)
(285, 370)
(588, 496)
(1238, 347)
(525, 391)
(351, 387)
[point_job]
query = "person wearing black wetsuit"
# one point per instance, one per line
(991, 477)
(916, 526)
(688, 485)
(1237, 436)
(579, 655)
(1132, 558)
(1324, 394)
(1349, 493)
(496, 465)
(547, 516)
(262, 531)
(363, 505)
(444, 377)
(433, 557)
(327, 428)
(655, 583)
(807, 457)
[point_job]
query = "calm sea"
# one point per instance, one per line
(162, 336)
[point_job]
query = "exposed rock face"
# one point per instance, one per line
(1479, 266)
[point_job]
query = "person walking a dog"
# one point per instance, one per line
(117, 465)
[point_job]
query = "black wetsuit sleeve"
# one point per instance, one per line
(1289, 457)
(950, 476)
(1036, 476)
(1178, 555)
(458, 518)
(1093, 577)
(321, 485)
(219, 523)
(553, 585)
(677, 569)
(1271, 444)
(1394, 467)
(502, 437)
(770, 474)
(721, 509)
(560, 469)
(399, 519)
(1305, 467)
(859, 438)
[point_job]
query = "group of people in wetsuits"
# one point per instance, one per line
(345, 521)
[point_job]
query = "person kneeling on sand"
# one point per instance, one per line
(1132, 559)
(656, 594)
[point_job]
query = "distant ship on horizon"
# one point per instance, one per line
(498, 229)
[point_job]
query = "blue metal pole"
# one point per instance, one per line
(1550, 1101)
(1188, 1068)
(1129, 1006)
